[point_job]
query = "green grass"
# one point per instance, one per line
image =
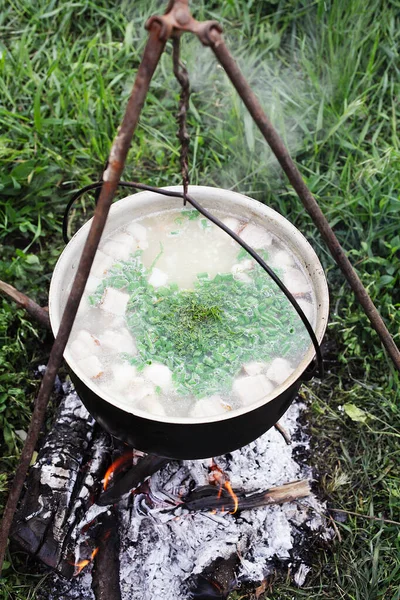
(327, 73)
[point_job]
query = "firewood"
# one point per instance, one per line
(218, 580)
(61, 486)
(136, 475)
(105, 574)
(34, 310)
(210, 498)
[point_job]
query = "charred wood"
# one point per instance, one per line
(144, 468)
(105, 574)
(61, 486)
(208, 498)
(217, 581)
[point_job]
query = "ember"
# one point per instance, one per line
(116, 466)
(217, 476)
(84, 563)
(228, 486)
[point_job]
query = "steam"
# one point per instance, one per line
(233, 152)
(282, 91)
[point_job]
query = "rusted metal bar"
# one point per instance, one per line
(182, 76)
(34, 310)
(215, 40)
(112, 174)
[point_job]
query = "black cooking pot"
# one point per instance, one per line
(189, 438)
(176, 440)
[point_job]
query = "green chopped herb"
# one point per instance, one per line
(206, 334)
(190, 214)
(157, 257)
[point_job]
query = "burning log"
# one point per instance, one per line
(145, 468)
(105, 583)
(61, 486)
(225, 499)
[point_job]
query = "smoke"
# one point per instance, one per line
(227, 150)
(242, 151)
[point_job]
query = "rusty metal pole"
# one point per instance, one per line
(279, 149)
(111, 177)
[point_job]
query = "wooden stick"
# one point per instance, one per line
(34, 310)
(210, 497)
(105, 574)
(370, 517)
(283, 433)
(145, 468)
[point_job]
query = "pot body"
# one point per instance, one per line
(180, 441)
(189, 438)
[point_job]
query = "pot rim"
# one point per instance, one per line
(261, 210)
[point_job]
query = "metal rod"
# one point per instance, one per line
(279, 149)
(182, 76)
(116, 161)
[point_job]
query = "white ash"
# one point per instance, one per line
(301, 574)
(161, 550)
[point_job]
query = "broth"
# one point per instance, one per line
(177, 319)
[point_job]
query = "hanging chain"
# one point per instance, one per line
(182, 76)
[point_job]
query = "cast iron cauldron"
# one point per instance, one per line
(184, 437)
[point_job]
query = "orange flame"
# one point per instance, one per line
(235, 499)
(218, 477)
(84, 563)
(116, 465)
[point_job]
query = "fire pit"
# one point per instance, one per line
(195, 527)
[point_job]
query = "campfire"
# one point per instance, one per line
(116, 523)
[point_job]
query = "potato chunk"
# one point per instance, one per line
(158, 278)
(254, 367)
(252, 389)
(232, 223)
(92, 367)
(256, 236)
(139, 234)
(116, 250)
(158, 374)
(118, 341)
(279, 370)
(84, 345)
(123, 377)
(152, 405)
(101, 264)
(296, 282)
(114, 301)
(209, 407)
